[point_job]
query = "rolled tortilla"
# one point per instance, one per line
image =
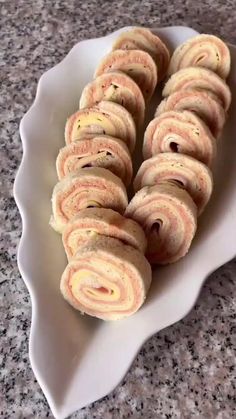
(105, 118)
(116, 87)
(199, 78)
(138, 64)
(204, 51)
(89, 187)
(180, 132)
(107, 279)
(167, 214)
(144, 39)
(96, 222)
(101, 151)
(204, 103)
(191, 174)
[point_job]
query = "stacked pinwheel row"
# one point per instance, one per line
(107, 275)
(175, 183)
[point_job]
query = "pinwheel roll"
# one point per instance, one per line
(205, 104)
(104, 118)
(138, 64)
(191, 174)
(89, 187)
(144, 39)
(101, 151)
(199, 78)
(96, 222)
(180, 132)
(204, 51)
(107, 279)
(167, 214)
(116, 87)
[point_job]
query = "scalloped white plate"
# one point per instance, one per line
(77, 359)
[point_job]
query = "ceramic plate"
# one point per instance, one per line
(77, 359)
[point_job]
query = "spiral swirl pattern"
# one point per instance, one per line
(205, 51)
(138, 64)
(144, 39)
(89, 187)
(105, 118)
(117, 87)
(180, 132)
(96, 222)
(199, 78)
(191, 174)
(168, 216)
(204, 103)
(107, 279)
(101, 151)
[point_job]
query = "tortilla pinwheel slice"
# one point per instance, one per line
(116, 87)
(205, 104)
(179, 132)
(107, 279)
(137, 64)
(88, 187)
(204, 50)
(191, 174)
(97, 222)
(199, 78)
(168, 216)
(101, 151)
(144, 39)
(105, 118)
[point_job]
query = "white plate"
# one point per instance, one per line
(77, 359)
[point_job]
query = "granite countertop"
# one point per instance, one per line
(185, 371)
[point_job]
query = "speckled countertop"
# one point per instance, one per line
(187, 370)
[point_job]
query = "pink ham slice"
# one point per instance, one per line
(191, 174)
(138, 64)
(199, 78)
(179, 132)
(116, 87)
(168, 216)
(205, 104)
(106, 118)
(101, 151)
(144, 39)
(204, 51)
(107, 279)
(96, 222)
(89, 187)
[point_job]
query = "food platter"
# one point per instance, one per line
(77, 359)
